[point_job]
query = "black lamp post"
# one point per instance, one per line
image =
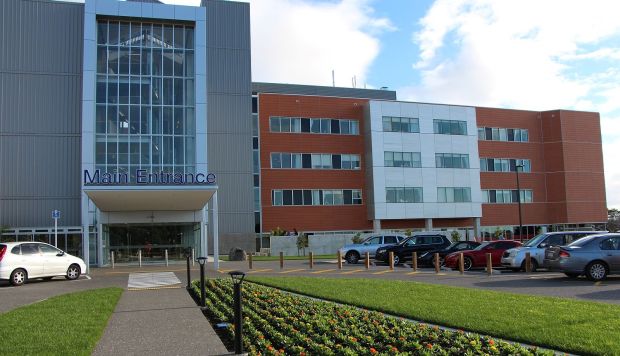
(188, 253)
(237, 277)
(202, 261)
(519, 201)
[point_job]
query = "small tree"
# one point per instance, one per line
(456, 236)
(302, 242)
(498, 233)
(613, 220)
(278, 232)
(408, 232)
(357, 238)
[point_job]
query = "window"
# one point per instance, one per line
(30, 249)
(503, 134)
(402, 159)
(506, 196)
(450, 127)
(505, 165)
(48, 250)
(403, 195)
(453, 195)
(307, 125)
(401, 124)
(298, 197)
(451, 160)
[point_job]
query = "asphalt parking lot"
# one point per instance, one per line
(538, 283)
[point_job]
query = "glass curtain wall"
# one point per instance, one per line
(145, 103)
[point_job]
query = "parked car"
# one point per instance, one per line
(428, 258)
(21, 261)
(594, 256)
(417, 243)
(353, 253)
(477, 257)
(514, 258)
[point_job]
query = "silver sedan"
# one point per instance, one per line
(595, 256)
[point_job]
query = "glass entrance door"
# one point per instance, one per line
(152, 241)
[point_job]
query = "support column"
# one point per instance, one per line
(428, 224)
(85, 235)
(376, 225)
(203, 233)
(100, 245)
(477, 228)
(216, 234)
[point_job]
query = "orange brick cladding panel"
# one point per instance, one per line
(312, 218)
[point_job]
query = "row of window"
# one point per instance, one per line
(402, 159)
(144, 34)
(320, 126)
(401, 124)
(403, 195)
(414, 195)
(503, 134)
(505, 165)
(283, 197)
(451, 160)
(450, 127)
(503, 196)
(315, 161)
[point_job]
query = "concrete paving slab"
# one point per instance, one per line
(159, 322)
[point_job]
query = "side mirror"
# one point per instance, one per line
(60, 254)
(543, 245)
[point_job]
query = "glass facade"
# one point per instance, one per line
(145, 102)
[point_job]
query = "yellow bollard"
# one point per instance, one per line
(461, 263)
(414, 261)
(367, 260)
(436, 263)
(489, 264)
(339, 256)
(311, 257)
(250, 261)
(391, 261)
(528, 262)
(281, 260)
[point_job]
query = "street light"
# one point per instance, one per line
(202, 261)
(237, 277)
(519, 201)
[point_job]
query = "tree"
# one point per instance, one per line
(613, 220)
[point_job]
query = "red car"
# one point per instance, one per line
(478, 256)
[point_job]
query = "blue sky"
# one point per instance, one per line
(526, 54)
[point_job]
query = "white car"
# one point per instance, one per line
(20, 261)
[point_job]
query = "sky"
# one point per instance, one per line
(525, 54)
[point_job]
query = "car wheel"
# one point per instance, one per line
(596, 271)
(571, 275)
(18, 277)
(396, 260)
(352, 257)
(467, 263)
(73, 272)
(534, 265)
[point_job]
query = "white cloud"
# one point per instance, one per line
(527, 54)
(297, 41)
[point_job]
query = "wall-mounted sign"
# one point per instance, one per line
(144, 177)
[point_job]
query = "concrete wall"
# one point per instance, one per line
(40, 106)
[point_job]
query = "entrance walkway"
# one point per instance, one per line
(158, 321)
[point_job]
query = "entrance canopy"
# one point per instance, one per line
(150, 198)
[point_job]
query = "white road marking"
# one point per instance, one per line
(152, 280)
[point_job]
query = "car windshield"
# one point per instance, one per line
(482, 246)
(536, 240)
(452, 245)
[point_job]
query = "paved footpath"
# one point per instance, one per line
(156, 316)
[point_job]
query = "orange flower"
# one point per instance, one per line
(429, 346)
(372, 350)
(353, 339)
(270, 348)
(491, 342)
(394, 349)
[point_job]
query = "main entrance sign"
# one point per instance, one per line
(143, 177)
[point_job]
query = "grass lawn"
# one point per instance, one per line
(69, 324)
(558, 323)
(290, 258)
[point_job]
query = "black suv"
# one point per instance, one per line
(428, 258)
(417, 243)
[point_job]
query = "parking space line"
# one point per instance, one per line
(225, 270)
(353, 271)
(383, 272)
(292, 270)
(323, 271)
(260, 270)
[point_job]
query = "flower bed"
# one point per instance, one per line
(278, 323)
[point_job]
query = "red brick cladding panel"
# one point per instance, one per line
(311, 218)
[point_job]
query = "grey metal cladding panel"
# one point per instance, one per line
(37, 212)
(230, 114)
(297, 89)
(229, 71)
(39, 166)
(41, 36)
(40, 103)
(230, 153)
(228, 24)
(236, 223)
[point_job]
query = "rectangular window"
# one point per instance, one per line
(506, 196)
(504, 165)
(274, 124)
(453, 194)
(451, 160)
(326, 126)
(276, 160)
(285, 124)
(315, 125)
(403, 195)
(277, 197)
(345, 127)
(402, 159)
(286, 160)
(401, 124)
(357, 196)
(305, 125)
(307, 197)
(450, 127)
(295, 124)
(297, 197)
(287, 197)
(503, 134)
(355, 127)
